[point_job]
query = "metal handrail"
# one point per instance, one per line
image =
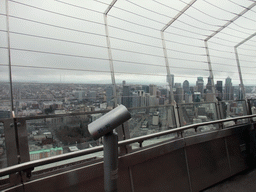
(55, 115)
(180, 129)
(31, 164)
(95, 112)
(77, 113)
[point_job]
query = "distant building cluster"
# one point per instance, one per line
(53, 136)
(38, 99)
(149, 95)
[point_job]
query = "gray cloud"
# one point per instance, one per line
(184, 41)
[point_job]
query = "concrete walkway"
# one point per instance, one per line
(243, 182)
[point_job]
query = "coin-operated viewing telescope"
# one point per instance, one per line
(108, 122)
(104, 127)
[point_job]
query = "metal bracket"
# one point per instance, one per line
(140, 142)
(28, 172)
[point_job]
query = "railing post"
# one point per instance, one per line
(104, 127)
(110, 161)
(11, 148)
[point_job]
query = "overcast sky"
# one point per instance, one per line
(64, 41)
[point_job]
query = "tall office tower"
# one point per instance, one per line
(147, 95)
(145, 88)
(229, 89)
(200, 84)
(126, 98)
(186, 86)
(209, 84)
(179, 95)
(177, 85)
(219, 89)
(142, 98)
(109, 95)
(152, 89)
(135, 99)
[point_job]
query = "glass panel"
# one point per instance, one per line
(7, 139)
(198, 113)
(54, 136)
(149, 120)
(232, 109)
(3, 157)
(253, 107)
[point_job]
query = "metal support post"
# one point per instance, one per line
(209, 66)
(110, 53)
(169, 79)
(9, 55)
(240, 74)
(223, 27)
(110, 161)
(110, 62)
(238, 63)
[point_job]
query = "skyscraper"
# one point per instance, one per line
(177, 85)
(200, 85)
(145, 88)
(209, 84)
(142, 98)
(126, 99)
(152, 89)
(186, 86)
(219, 89)
(135, 99)
(229, 89)
(109, 95)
